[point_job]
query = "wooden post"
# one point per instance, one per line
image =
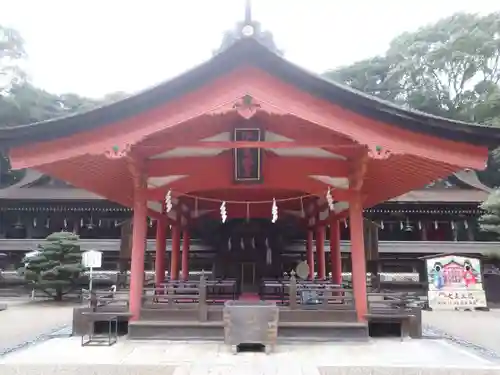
(202, 302)
(292, 291)
(138, 250)
(161, 244)
(310, 254)
(320, 252)
(170, 296)
(185, 255)
(176, 249)
(335, 253)
(358, 257)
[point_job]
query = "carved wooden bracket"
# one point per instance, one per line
(246, 107)
(118, 152)
(358, 173)
(379, 152)
(138, 172)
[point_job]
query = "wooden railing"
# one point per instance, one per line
(100, 298)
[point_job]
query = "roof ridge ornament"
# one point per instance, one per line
(248, 28)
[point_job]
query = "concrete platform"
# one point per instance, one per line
(65, 355)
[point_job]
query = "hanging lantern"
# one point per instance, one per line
(168, 201)
(223, 212)
(436, 225)
(382, 225)
(329, 199)
(274, 212)
(408, 226)
(34, 223)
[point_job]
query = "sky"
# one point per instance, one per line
(95, 47)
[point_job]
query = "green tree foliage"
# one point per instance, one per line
(11, 53)
(23, 103)
(490, 221)
(450, 69)
(56, 267)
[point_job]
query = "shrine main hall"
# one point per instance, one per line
(249, 137)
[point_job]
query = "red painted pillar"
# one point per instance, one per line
(139, 233)
(358, 257)
(185, 254)
(335, 254)
(161, 244)
(320, 252)
(176, 249)
(310, 254)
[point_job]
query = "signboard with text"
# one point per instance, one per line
(247, 161)
(455, 282)
(92, 259)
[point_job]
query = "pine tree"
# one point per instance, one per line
(490, 220)
(56, 266)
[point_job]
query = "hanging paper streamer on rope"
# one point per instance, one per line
(274, 211)
(223, 213)
(168, 201)
(329, 199)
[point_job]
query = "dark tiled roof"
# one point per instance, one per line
(248, 51)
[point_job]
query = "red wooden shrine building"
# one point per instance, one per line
(259, 136)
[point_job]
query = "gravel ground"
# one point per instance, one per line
(477, 330)
(26, 321)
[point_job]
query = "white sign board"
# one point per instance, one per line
(455, 282)
(92, 259)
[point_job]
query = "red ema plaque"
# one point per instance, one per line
(247, 161)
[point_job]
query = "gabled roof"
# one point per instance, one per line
(245, 52)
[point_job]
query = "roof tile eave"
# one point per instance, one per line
(250, 51)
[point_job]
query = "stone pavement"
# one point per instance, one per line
(26, 320)
(389, 356)
(481, 328)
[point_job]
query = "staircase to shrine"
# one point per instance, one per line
(185, 323)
